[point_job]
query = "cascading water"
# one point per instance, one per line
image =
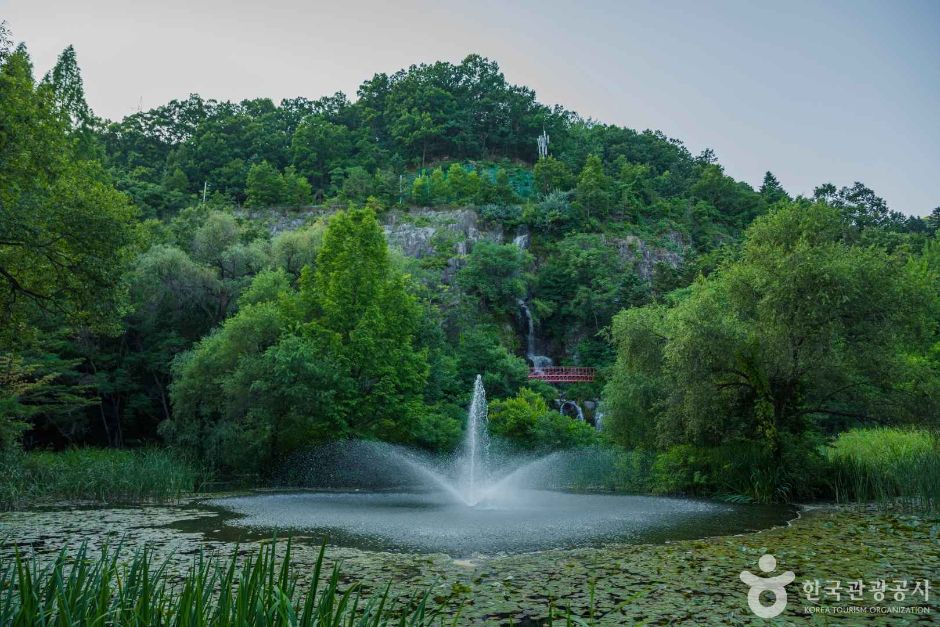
(522, 238)
(564, 406)
(538, 361)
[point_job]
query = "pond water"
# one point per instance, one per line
(431, 522)
(642, 580)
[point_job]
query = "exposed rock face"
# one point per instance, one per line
(279, 221)
(423, 232)
(646, 258)
(420, 232)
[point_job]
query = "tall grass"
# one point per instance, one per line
(103, 475)
(887, 466)
(106, 590)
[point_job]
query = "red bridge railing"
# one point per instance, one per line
(562, 374)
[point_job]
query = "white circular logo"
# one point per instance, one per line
(774, 585)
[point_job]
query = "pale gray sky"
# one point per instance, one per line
(827, 91)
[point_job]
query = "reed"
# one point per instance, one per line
(887, 466)
(262, 590)
(91, 474)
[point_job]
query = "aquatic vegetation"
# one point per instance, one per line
(105, 475)
(888, 466)
(263, 590)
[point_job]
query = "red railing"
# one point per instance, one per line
(562, 374)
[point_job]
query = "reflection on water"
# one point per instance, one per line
(533, 520)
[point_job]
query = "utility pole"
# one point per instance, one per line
(205, 188)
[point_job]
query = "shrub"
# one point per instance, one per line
(740, 471)
(527, 422)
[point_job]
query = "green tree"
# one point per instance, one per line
(802, 331)
(502, 188)
(265, 187)
(421, 190)
(437, 186)
(65, 81)
(527, 422)
(358, 299)
(552, 175)
(318, 147)
(457, 188)
(479, 351)
(66, 233)
(297, 190)
(593, 192)
(358, 184)
(771, 189)
(494, 274)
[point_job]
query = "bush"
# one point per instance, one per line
(740, 471)
(528, 423)
(886, 465)
(107, 475)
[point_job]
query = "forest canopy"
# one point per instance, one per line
(220, 277)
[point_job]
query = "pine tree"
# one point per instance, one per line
(771, 189)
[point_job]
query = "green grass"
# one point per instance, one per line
(262, 590)
(103, 475)
(897, 466)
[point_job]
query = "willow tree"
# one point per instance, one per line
(801, 331)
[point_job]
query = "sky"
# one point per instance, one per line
(836, 91)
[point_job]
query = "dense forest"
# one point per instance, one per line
(224, 279)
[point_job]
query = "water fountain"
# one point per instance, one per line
(381, 496)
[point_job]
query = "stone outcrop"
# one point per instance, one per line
(418, 233)
(646, 257)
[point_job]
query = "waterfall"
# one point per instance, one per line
(522, 238)
(538, 361)
(562, 404)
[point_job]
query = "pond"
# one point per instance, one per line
(642, 580)
(431, 522)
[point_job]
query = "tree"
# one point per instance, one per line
(358, 184)
(635, 185)
(593, 190)
(318, 147)
(771, 189)
(358, 299)
(65, 81)
(421, 190)
(265, 186)
(803, 331)
(933, 220)
(494, 274)
(503, 192)
(297, 249)
(297, 190)
(65, 233)
(437, 186)
(457, 188)
(552, 175)
(479, 351)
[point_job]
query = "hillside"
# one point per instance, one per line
(260, 277)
